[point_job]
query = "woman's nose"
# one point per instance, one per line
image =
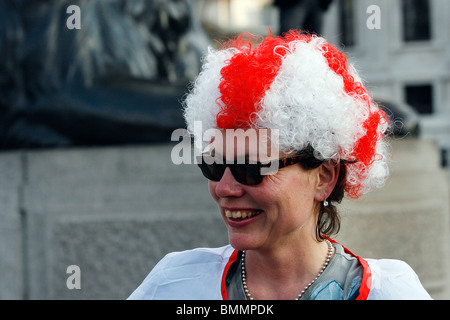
(228, 186)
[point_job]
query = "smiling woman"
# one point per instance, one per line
(330, 143)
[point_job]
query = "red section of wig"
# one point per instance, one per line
(247, 76)
(365, 147)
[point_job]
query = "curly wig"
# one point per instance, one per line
(303, 86)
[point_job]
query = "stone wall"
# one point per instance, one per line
(114, 212)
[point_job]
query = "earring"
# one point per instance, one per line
(325, 203)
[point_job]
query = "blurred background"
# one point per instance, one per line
(89, 99)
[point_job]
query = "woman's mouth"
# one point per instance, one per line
(241, 214)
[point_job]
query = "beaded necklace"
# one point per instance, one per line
(244, 277)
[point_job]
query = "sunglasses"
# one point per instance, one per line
(250, 173)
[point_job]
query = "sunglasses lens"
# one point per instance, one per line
(248, 174)
(212, 171)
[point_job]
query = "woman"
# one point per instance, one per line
(329, 141)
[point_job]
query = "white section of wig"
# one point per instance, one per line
(201, 104)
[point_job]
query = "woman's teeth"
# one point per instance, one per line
(241, 214)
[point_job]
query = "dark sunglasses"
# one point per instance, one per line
(250, 173)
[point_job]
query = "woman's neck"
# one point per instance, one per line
(283, 272)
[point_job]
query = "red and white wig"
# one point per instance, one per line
(302, 86)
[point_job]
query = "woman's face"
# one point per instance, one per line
(280, 210)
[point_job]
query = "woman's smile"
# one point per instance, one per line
(240, 218)
(240, 214)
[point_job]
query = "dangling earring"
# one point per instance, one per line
(325, 203)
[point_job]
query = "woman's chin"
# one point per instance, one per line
(241, 242)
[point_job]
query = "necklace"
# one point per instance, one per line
(244, 278)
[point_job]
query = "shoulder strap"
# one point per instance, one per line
(366, 282)
(231, 260)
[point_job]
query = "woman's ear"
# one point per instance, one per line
(328, 174)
